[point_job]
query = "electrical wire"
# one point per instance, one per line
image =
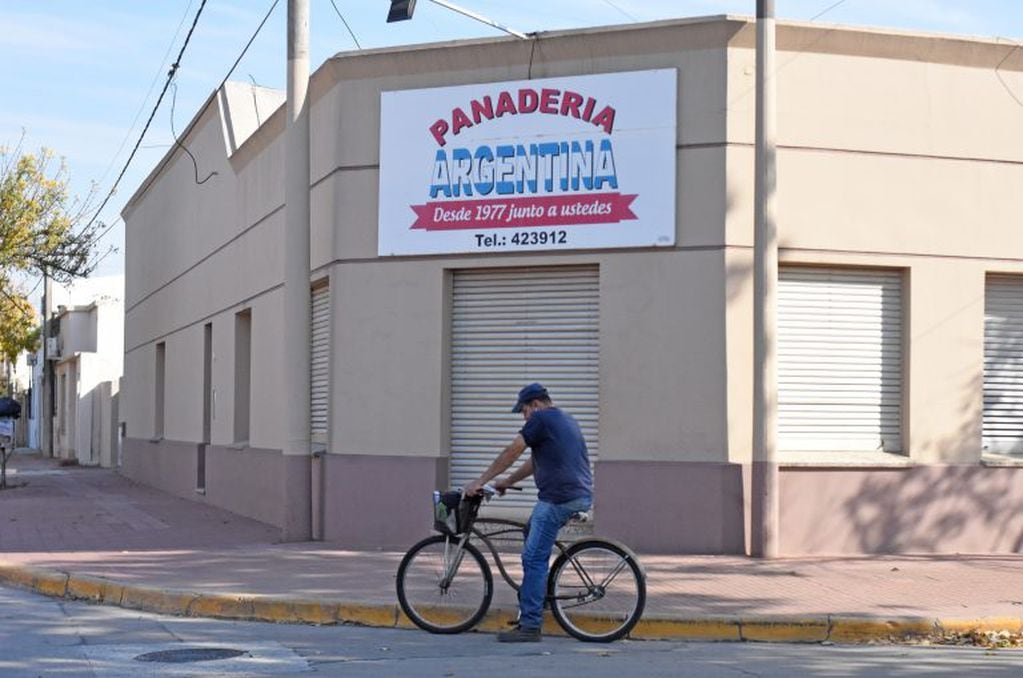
(152, 85)
(818, 15)
(98, 259)
(166, 86)
(998, 74)
(35, 287)
(247, 45)
(622, 11)
(350, 31)
(174, 135)
(226, 77)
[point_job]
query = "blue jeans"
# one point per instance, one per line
(544, 524)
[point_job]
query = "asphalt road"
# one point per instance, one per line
(41, 636)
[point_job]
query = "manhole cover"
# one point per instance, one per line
(190, 654)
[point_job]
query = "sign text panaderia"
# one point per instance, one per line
(561, 163)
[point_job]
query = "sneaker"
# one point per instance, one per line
(519, 635)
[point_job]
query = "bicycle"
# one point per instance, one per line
(596, 588)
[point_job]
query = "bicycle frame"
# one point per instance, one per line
(452, 567)
(509, 527)
(512, 527)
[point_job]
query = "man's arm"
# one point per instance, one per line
(522, 473)
(499, 465)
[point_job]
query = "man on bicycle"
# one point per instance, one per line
(561, 467)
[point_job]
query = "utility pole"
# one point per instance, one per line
(297, 477)
(764, 517)
(46, 397)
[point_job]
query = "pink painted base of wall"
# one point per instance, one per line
(373, 501)
(167, 465)
(672, 507)
(920, 509)
(246, 481)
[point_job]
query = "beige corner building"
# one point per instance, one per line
(900, 304)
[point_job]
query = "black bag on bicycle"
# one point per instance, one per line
(10, 408)
(450, 513)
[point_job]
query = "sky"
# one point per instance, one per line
(81, 77)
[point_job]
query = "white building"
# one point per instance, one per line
(86, 351)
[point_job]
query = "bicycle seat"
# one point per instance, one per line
(580, 517)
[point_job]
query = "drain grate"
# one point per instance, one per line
(190, 654)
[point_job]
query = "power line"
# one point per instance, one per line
(350, 31)
(247, 45)
(202, 110)
(998, 74)
(171, 75)
(35, 287)
(818, 15)
(622, 11)
(152, 85)
(177, 142)
(96, 262)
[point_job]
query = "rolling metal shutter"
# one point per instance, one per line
(1003, 365)
(509, 328)
(839, 360)
(320, 367)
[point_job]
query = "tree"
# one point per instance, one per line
(40, 225)
(19, 330)
(42, 229)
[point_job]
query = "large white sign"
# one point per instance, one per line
(560, 163)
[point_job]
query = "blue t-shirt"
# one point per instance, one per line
(561, 465)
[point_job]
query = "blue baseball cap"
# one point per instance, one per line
(528, 394)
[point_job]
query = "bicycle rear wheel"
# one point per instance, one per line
(597, 590)
(430, 604)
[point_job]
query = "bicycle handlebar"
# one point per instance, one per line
(489, 490)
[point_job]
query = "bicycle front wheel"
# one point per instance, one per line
(443, 589)
(597, 590)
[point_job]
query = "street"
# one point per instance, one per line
(42, 636)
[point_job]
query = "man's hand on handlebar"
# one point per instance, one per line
(501, 486)
(474, 488)
(498, 487)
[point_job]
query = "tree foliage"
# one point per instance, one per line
(19, 330)
(42, 228)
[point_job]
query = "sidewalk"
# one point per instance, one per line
(91, 534)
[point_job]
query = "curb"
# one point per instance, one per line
(282, 610)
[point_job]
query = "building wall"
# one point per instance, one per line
(892, 153)
(102, 333)
(91, 340)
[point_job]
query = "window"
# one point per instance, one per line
(1003, 365)
(839, 359)
(207, 381)
(158, 406)
(242, 374)
(319, 391)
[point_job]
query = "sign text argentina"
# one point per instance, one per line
(560, 163)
